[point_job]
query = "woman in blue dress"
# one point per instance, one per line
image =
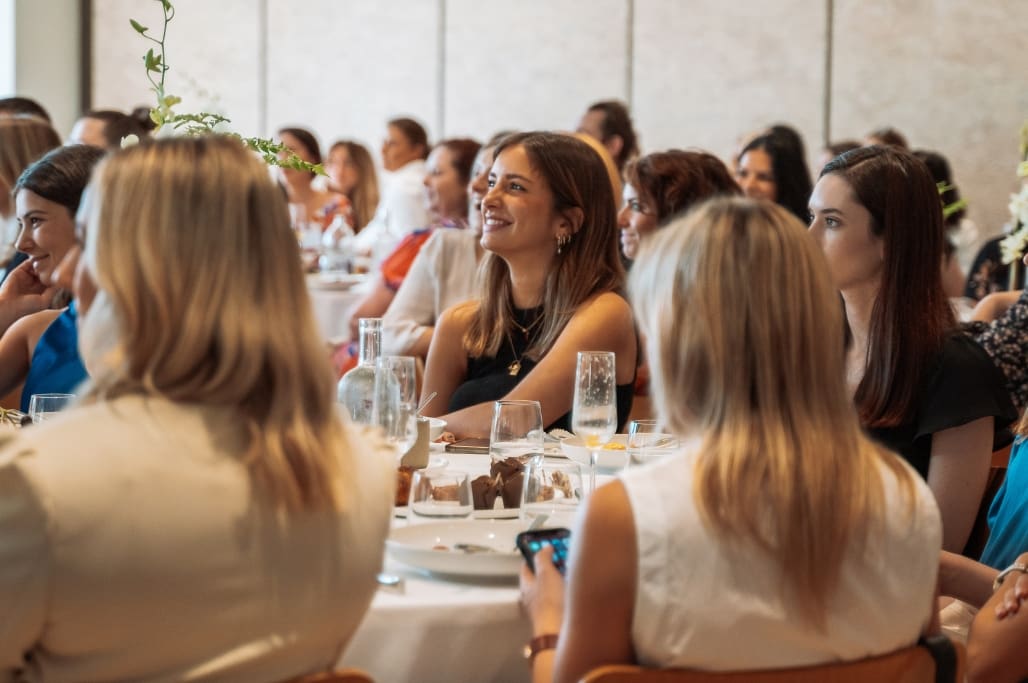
(41, 349)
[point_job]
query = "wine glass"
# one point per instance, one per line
(43, 407)
(517, 429)
(395, 403)
(551, 491)
(439, 493)
(594, 414)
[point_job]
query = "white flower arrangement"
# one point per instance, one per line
(1012, 247)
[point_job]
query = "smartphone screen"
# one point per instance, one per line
(531, 542)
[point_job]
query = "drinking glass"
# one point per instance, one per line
(395, 404)
(517, 429)
(550, 490)
(594, 413)
(646, 442)
(43, 407)
(439, 493)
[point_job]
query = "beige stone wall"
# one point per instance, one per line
(949, 73)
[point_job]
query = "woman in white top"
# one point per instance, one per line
(443, 273)
(780, 535)
(200, 516)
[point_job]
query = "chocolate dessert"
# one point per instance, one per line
(484, 490)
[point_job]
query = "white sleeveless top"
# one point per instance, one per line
(704, 605)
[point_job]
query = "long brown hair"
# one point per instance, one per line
(745, 340)
(588, 265)
(364, 198)
(911, 315)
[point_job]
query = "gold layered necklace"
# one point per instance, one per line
(515, 365)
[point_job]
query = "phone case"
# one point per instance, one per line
(531, 542)
(469, 446)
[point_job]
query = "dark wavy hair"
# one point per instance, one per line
(789, 165)
(674, 180)
(911, 314)
(61, 174)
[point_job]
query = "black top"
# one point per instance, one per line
(963, 386)
(489, 379)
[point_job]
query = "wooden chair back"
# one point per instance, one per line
(935, 660)
(339, 676)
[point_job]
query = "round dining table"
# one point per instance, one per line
(332, 297)
(443, 628)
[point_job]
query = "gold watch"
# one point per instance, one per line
(546, 641)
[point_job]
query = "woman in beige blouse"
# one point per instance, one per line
(200, 515)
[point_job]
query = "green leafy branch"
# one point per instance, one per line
(156, 64)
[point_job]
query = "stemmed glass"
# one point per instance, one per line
(395, 405)
(594, 414)
(646, 442)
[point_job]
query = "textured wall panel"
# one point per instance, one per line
(950, 75)
(532, 63)
(343, 68)
(212, 49)
(708, 71)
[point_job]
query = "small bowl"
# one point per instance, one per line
(435, 427)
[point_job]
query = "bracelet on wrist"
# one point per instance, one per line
(547, 641)
(1016, 567)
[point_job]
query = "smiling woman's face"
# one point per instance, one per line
(46, 232)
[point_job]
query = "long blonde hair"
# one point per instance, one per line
(588, 265)
(746, 347)
(188, 240)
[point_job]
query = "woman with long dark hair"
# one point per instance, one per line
(921, 386)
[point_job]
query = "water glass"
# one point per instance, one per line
(43, 407)
(517, 429)
(646, 442)
(594, 416)
(395, 403)
(552, 490)
(439, 493)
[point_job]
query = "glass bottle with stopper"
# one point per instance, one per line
(356, 390)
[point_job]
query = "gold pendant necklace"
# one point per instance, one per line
(515, 366)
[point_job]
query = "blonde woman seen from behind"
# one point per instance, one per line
(203, 501)
(778, 524)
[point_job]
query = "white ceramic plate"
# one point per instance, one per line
(496, 513)
(335, 281)
(434, 547)
(606, 459)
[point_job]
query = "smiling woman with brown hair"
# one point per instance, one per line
(551, 284)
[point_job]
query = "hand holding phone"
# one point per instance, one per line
(531, 542)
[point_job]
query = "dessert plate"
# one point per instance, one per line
(474, 547)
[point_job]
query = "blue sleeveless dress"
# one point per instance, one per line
(56, 366)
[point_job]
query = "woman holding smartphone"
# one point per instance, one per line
(778, 523)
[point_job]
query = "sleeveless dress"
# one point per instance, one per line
(490, 378)
(704, 601)
(56, 366)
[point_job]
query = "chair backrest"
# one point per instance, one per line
(340, 676)
(934, 660)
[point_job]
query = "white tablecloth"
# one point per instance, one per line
(445, 631)
(331, 306)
